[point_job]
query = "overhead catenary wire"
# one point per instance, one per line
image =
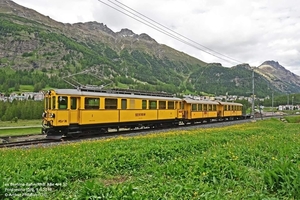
(126, 10)
(179, 33)
(164, 32)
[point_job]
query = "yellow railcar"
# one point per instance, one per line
(80, 111)
(230, 110)
(199, 110)
(72, 111)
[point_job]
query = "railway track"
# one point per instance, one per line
(27, 143)
(8, 137)
(123, 133)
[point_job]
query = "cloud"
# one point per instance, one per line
(249, 31)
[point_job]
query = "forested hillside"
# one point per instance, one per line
(40, 52)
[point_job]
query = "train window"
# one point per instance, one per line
(53, 104)
(199, 107)
(210, 107)
(171, 105)
(46, 103)
(73, 103)
(111, 104)
(62, 102)
(205, 107)
(144, 104)
(123, 104)
(214, 107)
(194, 107)
(180, 105)
(91, 103)
(162, 104)
(153, 104)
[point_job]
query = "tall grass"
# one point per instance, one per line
(258, 160)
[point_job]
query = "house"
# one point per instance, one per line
(38, 96)
(289, 107)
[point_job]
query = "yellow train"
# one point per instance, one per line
(70, 112)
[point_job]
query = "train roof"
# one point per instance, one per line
(211, 102)
(111, 93)
(230, 103)
(200, 101)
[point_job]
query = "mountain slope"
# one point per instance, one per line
(36, 50)
(279, 77)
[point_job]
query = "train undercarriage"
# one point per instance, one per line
(76, 130)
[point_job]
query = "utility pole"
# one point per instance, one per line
(253, 98)
(272, 102)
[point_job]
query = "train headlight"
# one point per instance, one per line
(52, 115)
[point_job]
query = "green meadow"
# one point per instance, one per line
(21, 127)
(256, 160)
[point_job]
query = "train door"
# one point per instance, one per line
(179, 107)
(74, 110)
(62, 111)
(220, 110)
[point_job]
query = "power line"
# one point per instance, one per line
(165, 30)
(178, 33)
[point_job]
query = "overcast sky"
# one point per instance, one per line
(248, 31)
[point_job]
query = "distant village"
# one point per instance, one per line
(39, 96)
(35, 96)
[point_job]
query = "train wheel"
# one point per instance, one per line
(104, 130)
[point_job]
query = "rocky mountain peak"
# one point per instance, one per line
(146, 37)
(126, 33)
(95, 26)
(273, 64)
(244, 65)
(129, 33)
(280, 77)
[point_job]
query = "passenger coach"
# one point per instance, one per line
(80, 111)
(200, 111)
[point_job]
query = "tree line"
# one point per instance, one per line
(12, 111)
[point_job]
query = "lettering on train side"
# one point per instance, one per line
(140, 114)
